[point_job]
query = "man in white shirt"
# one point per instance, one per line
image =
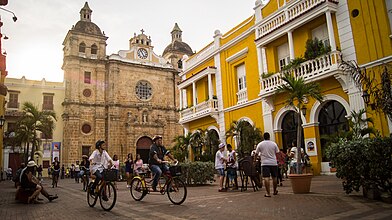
(220, 166)
(269, 166)
(99, 160)
(294, 156)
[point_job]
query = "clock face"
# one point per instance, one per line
(142, 53)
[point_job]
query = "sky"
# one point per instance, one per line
(34, 48)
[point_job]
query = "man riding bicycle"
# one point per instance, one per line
(156, 160)
(84, 170)
(99, 160)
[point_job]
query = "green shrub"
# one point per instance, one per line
(363, 163)
(197, 172)
(314, 48)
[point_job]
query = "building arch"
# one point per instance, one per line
(247, 119)
(280, 115)
(316, 108)
(143, 145)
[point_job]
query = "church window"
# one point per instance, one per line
(137, 41)
(86, 128)
(94, 49)
(87, 77)
(143, 90)
(148, 43)
(87, 93)
(142, 41)
(145, 117)
(82, 48)
(48, 102)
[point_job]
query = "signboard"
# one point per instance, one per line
(310, 146)
(47, 150)
(56, 150)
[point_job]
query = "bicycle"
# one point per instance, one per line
(173, 186)
(105, 190)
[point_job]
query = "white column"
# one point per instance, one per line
(210, 90)
(264, 59)
(194, 93)
(291, 44)
(181, 102)
(258, 5)
(185, 98)
(259, 60)
(331, 34)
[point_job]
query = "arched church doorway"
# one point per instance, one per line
(143, 148)
(289, 130)
(332, 119)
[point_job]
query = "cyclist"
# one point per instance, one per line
(99, 160)
(84, 170)
(55, 171)
(156, 160)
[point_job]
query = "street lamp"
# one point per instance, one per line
(2, 121)
(14, 18)
(366, 97)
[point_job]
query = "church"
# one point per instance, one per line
(124, 98)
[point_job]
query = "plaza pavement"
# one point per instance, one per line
(326, 201)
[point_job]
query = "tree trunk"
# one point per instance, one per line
(27, 153)
(299, 130)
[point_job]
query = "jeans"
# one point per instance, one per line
(98, 178)
(157, 171)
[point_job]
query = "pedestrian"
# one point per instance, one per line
(294, 158)
(232, 167)
(129, 168)
(220, 161)
(269, 166)
(77, 171)
(62, 171)
(39, 171)
(56, 172)
(156, 160)
(280, 157)
(72, 171)
(29, 182)
(116, 167)
(138, 165)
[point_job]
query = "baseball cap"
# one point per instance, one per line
(221, 145)
(31, 163)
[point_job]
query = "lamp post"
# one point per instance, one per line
(303, 110)
(366, 97)
(2, 121)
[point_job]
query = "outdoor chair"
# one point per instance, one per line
(249, 172)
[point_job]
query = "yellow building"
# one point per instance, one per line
(45, 96)
(237, 75)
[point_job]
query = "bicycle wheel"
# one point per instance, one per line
(137, 190)
(176, 191)
(91, 197)
(108, 196)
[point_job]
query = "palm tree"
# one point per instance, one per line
(212, 141)
(32, 121)
(298, 91)
(197, 141)
(181, 147)
(246, 135)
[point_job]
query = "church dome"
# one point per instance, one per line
(88, 27)
(178, 46)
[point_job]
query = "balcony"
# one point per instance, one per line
(311, 70)
(242, 96)
(290, 12)
(209, 107)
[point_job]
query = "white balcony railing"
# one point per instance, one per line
(310, 70)
(200, 110)
(242, 96)
(292, 10)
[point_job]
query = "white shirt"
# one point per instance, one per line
(219, 160)
(267, 150)
(99, 161)
(295, 151)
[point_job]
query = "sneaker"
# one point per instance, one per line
(51, 198)
(128, 186)
(222, 190)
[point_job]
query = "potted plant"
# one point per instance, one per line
(298, 91)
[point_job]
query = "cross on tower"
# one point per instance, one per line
(142, 31)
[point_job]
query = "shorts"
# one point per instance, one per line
(269, 171)
(221, 171)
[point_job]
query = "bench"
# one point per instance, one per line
(22, 195)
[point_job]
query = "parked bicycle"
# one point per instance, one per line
(105, 191)
(169, 183)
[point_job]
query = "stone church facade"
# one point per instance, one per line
(124, 99)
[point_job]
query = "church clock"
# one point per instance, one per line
(142, 53)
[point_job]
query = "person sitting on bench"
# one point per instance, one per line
(29, 182)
